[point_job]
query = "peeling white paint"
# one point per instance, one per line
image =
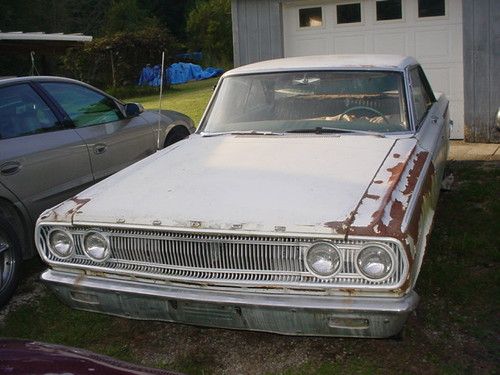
(258, 182)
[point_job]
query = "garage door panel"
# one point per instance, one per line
(456, 85)
(432, 43)
(349, 44)
(394, 43)
(310, 46)
(439, 78)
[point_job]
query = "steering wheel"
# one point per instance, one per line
(363, 108)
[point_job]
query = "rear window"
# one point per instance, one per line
(23, 112)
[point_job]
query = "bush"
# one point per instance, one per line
(128, 52)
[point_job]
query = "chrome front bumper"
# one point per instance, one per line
(289, 314)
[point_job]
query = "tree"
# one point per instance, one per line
(130, 51)
(127, 16)
(170, 13)
(209, 28)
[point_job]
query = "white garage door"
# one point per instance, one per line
(429, 30)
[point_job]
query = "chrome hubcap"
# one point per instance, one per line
(6, 262)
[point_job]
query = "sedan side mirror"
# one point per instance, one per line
(133, 109)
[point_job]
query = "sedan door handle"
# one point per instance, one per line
(100, 148)
(10, 168)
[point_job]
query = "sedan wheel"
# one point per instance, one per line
(9, 263)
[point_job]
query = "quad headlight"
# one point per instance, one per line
(323, 259)
(96, 246)
(375, 261)
(61, 244)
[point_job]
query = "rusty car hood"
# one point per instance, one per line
(289, 183)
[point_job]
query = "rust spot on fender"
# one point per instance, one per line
(388, 218)
(413, 225)
(396, 171)
(80, 202)
(396, 156)
(415, 172)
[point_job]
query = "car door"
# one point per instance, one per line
(41, 161)
(431, 119)
(113, 140)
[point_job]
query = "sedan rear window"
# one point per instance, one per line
(23, 112)
(280, 102)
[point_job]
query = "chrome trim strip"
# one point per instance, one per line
(398, 305)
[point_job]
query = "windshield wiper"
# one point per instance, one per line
(325, 129)
(240, 132)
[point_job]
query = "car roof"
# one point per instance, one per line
(10, 80)
(327, 62)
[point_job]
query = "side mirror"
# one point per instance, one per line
(497, 119)
(133, 109)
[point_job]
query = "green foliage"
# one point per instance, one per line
(210, 30)
(127, 52)
(33, 15)
(128, 16)
(172, 13)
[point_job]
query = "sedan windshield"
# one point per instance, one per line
(356, 101)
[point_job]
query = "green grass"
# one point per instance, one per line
(190, 98)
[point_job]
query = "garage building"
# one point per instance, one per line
(456, 41)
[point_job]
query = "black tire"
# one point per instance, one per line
(175, 135)
(10, 261)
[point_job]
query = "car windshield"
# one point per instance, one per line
(357, 101)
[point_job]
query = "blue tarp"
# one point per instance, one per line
(150, 76)
(185, 72)
(177, 73)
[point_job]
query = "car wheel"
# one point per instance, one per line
(10, 261)
(175, 135)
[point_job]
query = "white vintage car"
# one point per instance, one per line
(302, 205)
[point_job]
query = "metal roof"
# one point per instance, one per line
(41, 36)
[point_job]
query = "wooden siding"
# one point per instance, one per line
(257, 30)
(481, 69)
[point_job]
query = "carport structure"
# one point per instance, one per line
(42, 44)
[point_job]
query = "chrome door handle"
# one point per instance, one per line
(100, 148)
(10, 168)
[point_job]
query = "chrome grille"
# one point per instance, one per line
(215, 259)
